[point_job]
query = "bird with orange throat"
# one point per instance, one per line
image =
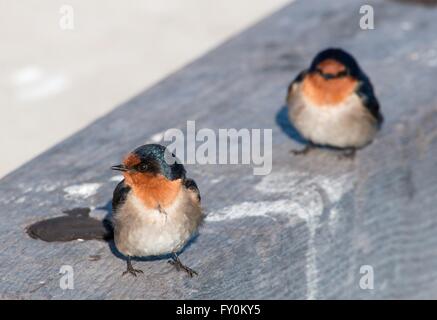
(333, 104)
(156, 208)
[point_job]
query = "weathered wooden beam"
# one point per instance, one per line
(305, 230)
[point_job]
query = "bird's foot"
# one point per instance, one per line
(348, 154)
(303, 151)
(132, 272)
(131, 269)
(179, 266)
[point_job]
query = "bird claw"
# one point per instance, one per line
(132, 272)
(130, 269)
(179, 266)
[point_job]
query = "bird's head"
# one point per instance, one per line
(334, 64)
(150, 161)
(331, 78)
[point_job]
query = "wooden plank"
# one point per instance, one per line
(301, 232)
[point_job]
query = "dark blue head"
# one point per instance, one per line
(153, 159)
(345, 65)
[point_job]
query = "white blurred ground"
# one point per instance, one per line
(54, 82)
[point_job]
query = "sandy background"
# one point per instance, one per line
(56, 80)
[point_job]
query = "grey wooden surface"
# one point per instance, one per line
(301, 232)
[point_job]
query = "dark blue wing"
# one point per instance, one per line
(119, 197)
(367, 95)
(298, 79)
(192, 185)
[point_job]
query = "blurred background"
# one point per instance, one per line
(64, 64)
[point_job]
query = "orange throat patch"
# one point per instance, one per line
(153, 190)
(327, 93)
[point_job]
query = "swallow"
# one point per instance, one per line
(333, 104)
(156, 208)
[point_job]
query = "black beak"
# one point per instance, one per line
(119, 167)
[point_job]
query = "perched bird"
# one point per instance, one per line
(156, 209)
(333, 104)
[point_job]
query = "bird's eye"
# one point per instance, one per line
(142, 167)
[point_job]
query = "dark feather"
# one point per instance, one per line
(339, 55)
(162, 161)
(192, 185)
(298, 79)
(367, 96)
(119, 196)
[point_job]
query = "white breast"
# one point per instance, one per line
(348, 124)
(147, 232)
